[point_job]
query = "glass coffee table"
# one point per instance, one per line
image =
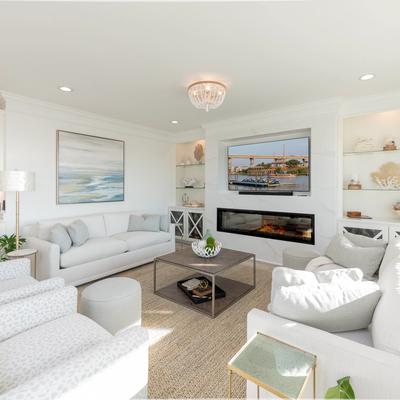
(275, 366)
(211, 268)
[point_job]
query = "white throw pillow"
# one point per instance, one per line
(343, 252)
(327, 306)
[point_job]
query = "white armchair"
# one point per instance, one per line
(49, 351)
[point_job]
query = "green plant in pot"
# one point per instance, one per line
(7, 244)
(343, 390)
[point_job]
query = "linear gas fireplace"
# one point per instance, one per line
(292, 227)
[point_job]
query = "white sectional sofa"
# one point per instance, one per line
(110, 248)
(371, 357)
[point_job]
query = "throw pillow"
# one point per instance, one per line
(79, 232)
(328, 306)
(365, 241)
(164, 223)
(343, 252)
(59, 236)
(149, 223)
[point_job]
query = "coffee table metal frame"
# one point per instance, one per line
(212, 276)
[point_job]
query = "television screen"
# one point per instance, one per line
(281, 165)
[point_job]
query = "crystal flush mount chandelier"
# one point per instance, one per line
(207, 95)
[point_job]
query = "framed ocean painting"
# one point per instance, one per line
(90, 169)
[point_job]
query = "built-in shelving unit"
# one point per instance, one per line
(372, 200)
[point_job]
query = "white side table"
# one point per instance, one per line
(25, 253)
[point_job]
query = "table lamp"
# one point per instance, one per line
(17, 181)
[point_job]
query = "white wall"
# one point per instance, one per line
(31, 145)
(324, 201)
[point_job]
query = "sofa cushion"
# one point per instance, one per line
(116, 223)
(78, 232)
(139, 240)
(60, 236)
(385, 326)
(39, 349)
(344, 252)
(9, 284)
(150, 223)
(93, 249)
(94, 223)
(365, 241)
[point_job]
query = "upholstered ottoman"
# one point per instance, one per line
(114, 303)
(297, 258)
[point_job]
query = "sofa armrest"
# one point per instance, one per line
(372, 371)
(24, 314)
(12, 269)
(30, 290)
(116, 368)
(48, 257)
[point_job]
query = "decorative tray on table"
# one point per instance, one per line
(199, 294)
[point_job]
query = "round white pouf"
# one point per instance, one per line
(297, 258)
(114, 303)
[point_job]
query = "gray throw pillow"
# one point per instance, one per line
(365, 241)
(79, 232)
(345, 253)
(59, 236)
(164, 223)
(149, 223)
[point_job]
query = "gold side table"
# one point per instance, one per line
(275, 366)
(25, 253)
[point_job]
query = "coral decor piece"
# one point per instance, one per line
(199, 152)
(388, 176)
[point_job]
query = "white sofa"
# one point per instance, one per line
(49, 351)
(370, 357)
(110, 248)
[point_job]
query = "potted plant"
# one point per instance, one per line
(8, 244)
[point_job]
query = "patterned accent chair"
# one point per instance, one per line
(49, 351)
(15, 274)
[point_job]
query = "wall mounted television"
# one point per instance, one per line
(271, 167)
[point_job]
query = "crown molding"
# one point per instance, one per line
(327, 106)
(188, 136)
(369, 104)
(31, 106)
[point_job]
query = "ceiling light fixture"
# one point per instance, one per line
(174, 121)
(206, 95)
(367, 77)
(65, 89)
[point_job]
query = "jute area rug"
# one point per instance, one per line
(189, 351)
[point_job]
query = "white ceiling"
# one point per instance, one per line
(132, 61)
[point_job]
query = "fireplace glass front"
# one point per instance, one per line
(292, 227)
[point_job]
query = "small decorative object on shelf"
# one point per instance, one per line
(390, 145)
(185, 199)
(354, 183)
(199, 152)
(357, 215)
(396, 208)
(388, 176)
(364, 144)
(189, 182)
(207, 248)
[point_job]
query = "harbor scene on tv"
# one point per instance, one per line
(281, 165)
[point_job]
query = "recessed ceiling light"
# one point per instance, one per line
(367, 77)
(65, 89)
(174, 121)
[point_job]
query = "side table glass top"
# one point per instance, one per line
(273, 365)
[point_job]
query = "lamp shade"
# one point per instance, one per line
(17, 181)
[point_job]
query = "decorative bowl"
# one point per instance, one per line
(199, 248)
